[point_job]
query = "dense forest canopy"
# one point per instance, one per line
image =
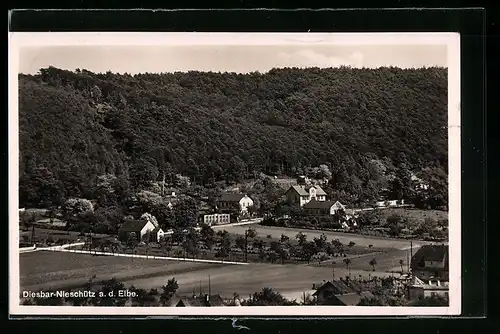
(77, 127)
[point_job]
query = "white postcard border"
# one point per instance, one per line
(451, 40)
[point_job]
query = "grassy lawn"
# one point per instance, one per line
(50, 270)
(41, 234)
(416, 214)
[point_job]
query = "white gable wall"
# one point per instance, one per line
(245, 202)
(147, 227)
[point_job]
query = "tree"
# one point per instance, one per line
(240, 243)
(262, 254)
(338, 247)
(301, 238)
(324, 172)
(39, 187)
(372, 263)
(207, 235)
(394, 222)
(150, 218)
(107, 287)
(126, 138)
(168, 291)
(166, 244)
(308, 251)
(186, 213)
(225, 244)
(434, 192)
(320, 243)
(105, 189)
(347, 263)
(272, 256)
(76, 206)
(132, 241)
(250, 233)
(268, 297)
(401, 263)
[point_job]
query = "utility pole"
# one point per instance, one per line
(411, 250)
(209, 287)
(246, 245)
(408, 261)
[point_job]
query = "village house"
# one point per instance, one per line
(430, 262)
(140, 228)
(216, 219)
(198, 301)
(417, 289)
(237, 201)
(343, 292)
(419, 183)
(301, 195)
(315, 207)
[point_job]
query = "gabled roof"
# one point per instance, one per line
(304, 191)
(200, 301)
(299, 190)
(133, 225)
(319, 191)
(314, 204)
(231, 197)
(336, 287)
(352, 299)
(436, 253)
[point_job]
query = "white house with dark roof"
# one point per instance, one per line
(235, 200)
(301, 195)
(139, 227)
(430, 263)
(323, 207)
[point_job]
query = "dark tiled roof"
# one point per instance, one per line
(314, 204)
(352, 299)
(336, 287)
(231, 197)
(200, 301)
(436, 253)
(304, 191)
(299, 190)
(133, 225)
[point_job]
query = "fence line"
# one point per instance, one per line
(149, 256)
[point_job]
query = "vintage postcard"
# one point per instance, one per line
(234, 174)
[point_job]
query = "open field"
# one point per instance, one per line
(345, 238)
(52, 269)
(291, 280)
(414, 213)
(56, 270)
(43, 233)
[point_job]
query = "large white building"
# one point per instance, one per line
(216, 219)
(234, 200)
(301, 195)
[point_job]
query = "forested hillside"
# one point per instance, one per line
(77, 126)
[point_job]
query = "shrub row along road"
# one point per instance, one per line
(345, 238)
